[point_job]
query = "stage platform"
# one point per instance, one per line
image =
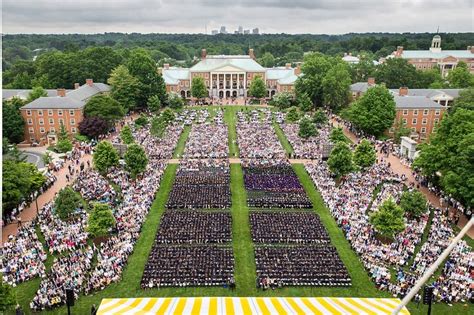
(249, 305)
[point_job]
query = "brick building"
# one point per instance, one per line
(435, 57)
(229, 76)
(44, 116)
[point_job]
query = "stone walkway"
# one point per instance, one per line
(399, 168)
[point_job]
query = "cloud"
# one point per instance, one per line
(271, 16)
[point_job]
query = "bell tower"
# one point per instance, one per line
(436, 44)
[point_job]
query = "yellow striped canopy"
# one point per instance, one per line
(248, 305)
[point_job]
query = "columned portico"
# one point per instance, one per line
(228, 84)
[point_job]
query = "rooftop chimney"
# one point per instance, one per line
(61, 92)
(403, 91)
(298, 69)
(371, 81)
(350, 54)
(89, 82)
(166, 66)
(471, 48)
(287, 65)
(251, 53)
(76, 86)
(399, 50)
(203, 53)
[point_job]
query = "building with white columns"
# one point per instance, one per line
(229, 76)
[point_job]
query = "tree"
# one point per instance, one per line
(12, 122)
(37, 92)
(100, 221)
(388, 220)
(413, 203)
(257, 88)
(175, 101)
(267, 60)
(154, 103)
(397, 72)
(315, 67)
(198, 88)
(460, 77)
(67, 202)
(335, 86)
(126, 135)
(364, 154)
(340, 160)
(143, 67)
(105, 107)
(307, 129)
(62, 134)
(47, 158)
(93, 127)
(292, 114)
(7, 297)
(375, 111)
(319, 118)
(363, 70)
(105, 156)
(158, 126)
(167, 115)
(64, 146)
(305, 103)
(141, 121)
(400, 130)
(135, 160)
(125, 87)
(282, 100)
(465, 100)
(448, 158)
(336, 135)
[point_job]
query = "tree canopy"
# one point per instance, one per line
(340, 160)
(126, 135)
(413, 203)
(307, 128)
(93, 127)
(105, 107)
(337, 135)
(12, 122)
(282, 100)
(319, 117)
(154, 103)
(460, 77)
(364, 154)
(37, 92)
(292, 115)
(105, 156)
(388, 220)
(335, 86)
(7, 297)
(135, 160)
(67, 202)
(175, 101)
(100, 221)
(198, 88)
(257, 88)
(125, 87)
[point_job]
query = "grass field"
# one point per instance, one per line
(245, 275)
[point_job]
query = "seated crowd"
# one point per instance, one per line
(258, 140)
(181, 266)
(310, 148)
(92, 186)
(207, 141)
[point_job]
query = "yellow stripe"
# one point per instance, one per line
(328, 306)
(213, 305)
(277, 305)
(380, 308)
(148, 306)
(180, 307)
(245, 305)
(113, 306)
(362, 307)
(294, 306)
(196, 306)
(311, 306)
(164, 306)
(343, 306)
(229, 306)
(262, 306)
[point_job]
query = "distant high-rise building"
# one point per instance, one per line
(215, 32)
(223, 30)
(241, 30)
(247, 32)
(255, 31)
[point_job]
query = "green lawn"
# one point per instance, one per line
(242, 244)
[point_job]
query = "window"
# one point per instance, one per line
(72, 121)
(404, 121)
(434, 129)
(51, 121)
(28, 112)
(423, 129)
(31, 130)
(73, 129)
(436, 120)
(424, 121)
(41, 121)
(437, 112)
(415, 112)
(405, 112)
(41, 129)
(71, 112)
(61, 121)
(413, 129)
(60, 112)
(425, 112)
(414, 121)
(40, 112)
(50, 112)
(30, 121)
(52, 129)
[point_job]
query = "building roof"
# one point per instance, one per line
(74, 98)
(351, 59)
(215, 62)
(428, 54)
(415, 102)
(283, 75)
(172, 75)
(23, 93)
(56, 102)
(360, 87)
(454, 93)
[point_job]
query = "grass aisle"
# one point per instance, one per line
(178, 152)
(283, 140)
(230, 119)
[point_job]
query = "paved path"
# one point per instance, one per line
(29, 213)
(399, 168)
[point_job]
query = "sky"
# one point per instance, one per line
(270, 16)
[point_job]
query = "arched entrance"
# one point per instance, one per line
(183, 93)
(272, 93)
(234, 94)
(188, 93)
(221, 94)
(227, 94)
